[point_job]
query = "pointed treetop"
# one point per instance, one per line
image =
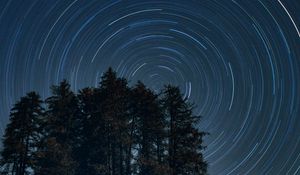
(170, 89)
(33, 95)
(110, 72)
(109, 76)
(64, 84)
(140, 84)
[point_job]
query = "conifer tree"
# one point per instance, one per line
(90, 152)
(61, 139)
(94, 148)
(114, 109)
(21, 136)
(185, 140)
(150, 133)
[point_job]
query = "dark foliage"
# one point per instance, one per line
(109, 130)
(22, 136)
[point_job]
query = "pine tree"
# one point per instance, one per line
(114, 109)
(90, 152)
(150, 133)
(185, 140)
(94, 148)
(61, 139)
(21, 136)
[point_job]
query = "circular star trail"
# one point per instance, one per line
(238, 61)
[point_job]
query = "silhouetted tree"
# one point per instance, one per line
(150, 133)
(185, 140)
(61, 139)
(114, 109)
(21, 136)
(91, 149)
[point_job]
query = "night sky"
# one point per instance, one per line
(237, 60)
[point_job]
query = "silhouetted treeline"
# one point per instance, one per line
(109, 130)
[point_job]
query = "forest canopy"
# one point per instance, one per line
(112, 129)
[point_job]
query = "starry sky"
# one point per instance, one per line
(237, 60)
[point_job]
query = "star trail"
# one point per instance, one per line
(238, 61)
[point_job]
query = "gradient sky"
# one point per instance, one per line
(237, 60)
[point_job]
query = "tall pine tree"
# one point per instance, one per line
(61, 137)
(149, 134)
(185, 140)
(114, 109)
(91, 150)
(21, 136)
